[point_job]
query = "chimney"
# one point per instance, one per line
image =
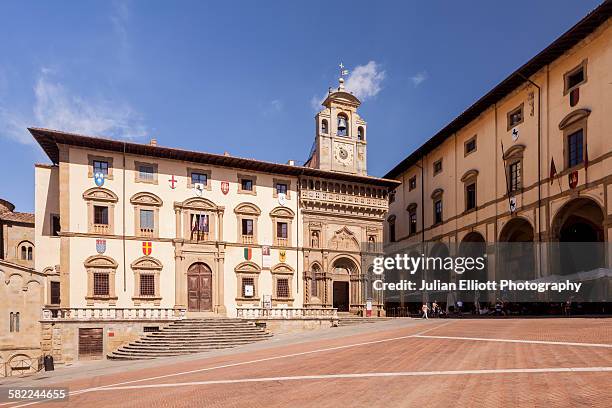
(291, 162)
(153, 142)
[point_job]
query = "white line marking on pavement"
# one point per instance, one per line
(345, 346)
(559, 343)
(365, 375)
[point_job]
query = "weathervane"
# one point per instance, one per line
(343, 72)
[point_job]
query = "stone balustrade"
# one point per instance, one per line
(108, 313)
(247, 312)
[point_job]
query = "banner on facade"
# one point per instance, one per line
(266, 257)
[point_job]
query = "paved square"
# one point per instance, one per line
(400, 363)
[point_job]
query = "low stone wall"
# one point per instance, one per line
(285, 326)
(61, 338)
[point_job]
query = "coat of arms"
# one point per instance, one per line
(248, 254)
(147, 248)
(282, 255)
(572, 179)
(99, 179)
(100, 246)
(225, 187)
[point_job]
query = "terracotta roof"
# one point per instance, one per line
(20, 217)
(50, 139)
(556, 49)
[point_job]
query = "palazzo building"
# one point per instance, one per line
(530, 161)
(148, 227)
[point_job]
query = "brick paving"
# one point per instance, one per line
(389, 350)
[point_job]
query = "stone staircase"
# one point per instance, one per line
(351, 321)
(191, 336)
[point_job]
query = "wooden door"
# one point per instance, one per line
(199, 288)
(91, 344)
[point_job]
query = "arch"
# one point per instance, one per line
(360, 133)
(469, 175)
(343, 120)
(324, 126)
(247, 209)
(437, 272)
(437, 193)
(315, 268)
(514, 152)
(145, 198)
(282, 268)
(518, 229)
(282, 212)
(147, 263)
(574, 117)
(412, 207)
(517, 255)
(100, 194)
(583, 209)
(473, 245)
(345, 264)
(197, 203)
(100, 261)
(247, 267)
(25, 250)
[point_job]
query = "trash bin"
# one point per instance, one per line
(48, 363)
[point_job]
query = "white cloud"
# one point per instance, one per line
(55, 107)
(364, 81)
(418, 78)
(120, 17)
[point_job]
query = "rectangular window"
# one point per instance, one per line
(515, 176)
(575, 77)
(147, 285)
(14, 322)
(55, 225)
(248, 282)
(470, 146)
(247, 184)
(146, 172)
(55, 293)
(147, 220)
(413, 223)
(282, 288)
(100, 284)
(515, 117)
(199, 223)
(437, 211)
(201, 178)
(100, 215)
(281, 188)
(100, 166)
(437, 167)
(412, 183)
(392, 232)
(575, 148)
(470, 196)
(281, 230)
(247, 226)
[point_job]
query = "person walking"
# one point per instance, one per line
(425, 308)
(435, 308)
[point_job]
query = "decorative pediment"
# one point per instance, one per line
(247, 267)
(469, 175)
(247, 209)
(282, 212)
(147, 263)
(391, 218)
(197, 203)
(100, 261)
(573, 117)
(144, 198)
(514, 152)
(100, 194)
(437, 193)
(344, 239)
(412, 207)
(282, 268)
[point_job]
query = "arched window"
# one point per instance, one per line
(324, 126)
(314, 270)
(360, 133)
(26, 251)
(342, 125)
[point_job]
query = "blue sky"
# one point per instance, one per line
(243, 77)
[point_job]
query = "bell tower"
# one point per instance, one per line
(340, 142)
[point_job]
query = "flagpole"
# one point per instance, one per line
(506, 177)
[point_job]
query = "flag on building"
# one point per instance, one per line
(553, 170)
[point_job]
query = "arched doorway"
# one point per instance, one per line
(578, 227)
(199, 288)
(343, 268)
(516, 251)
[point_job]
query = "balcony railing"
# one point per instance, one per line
(146, 232)
(107, 313)
(281, 241)
(101, 228)
(246, 312)
(247, 239)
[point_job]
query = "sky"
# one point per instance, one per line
(246, 77)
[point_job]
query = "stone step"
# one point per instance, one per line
(198, 341)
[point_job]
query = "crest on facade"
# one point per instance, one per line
(282, 199)
(147, 248)
(512, 204)
(100, 246)
(225, 187)
(172, 182)
(248, 254)
(198, 189)
(99, 179)
(574, 97)
(282, 256)
(572, 179)
(515, 134)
